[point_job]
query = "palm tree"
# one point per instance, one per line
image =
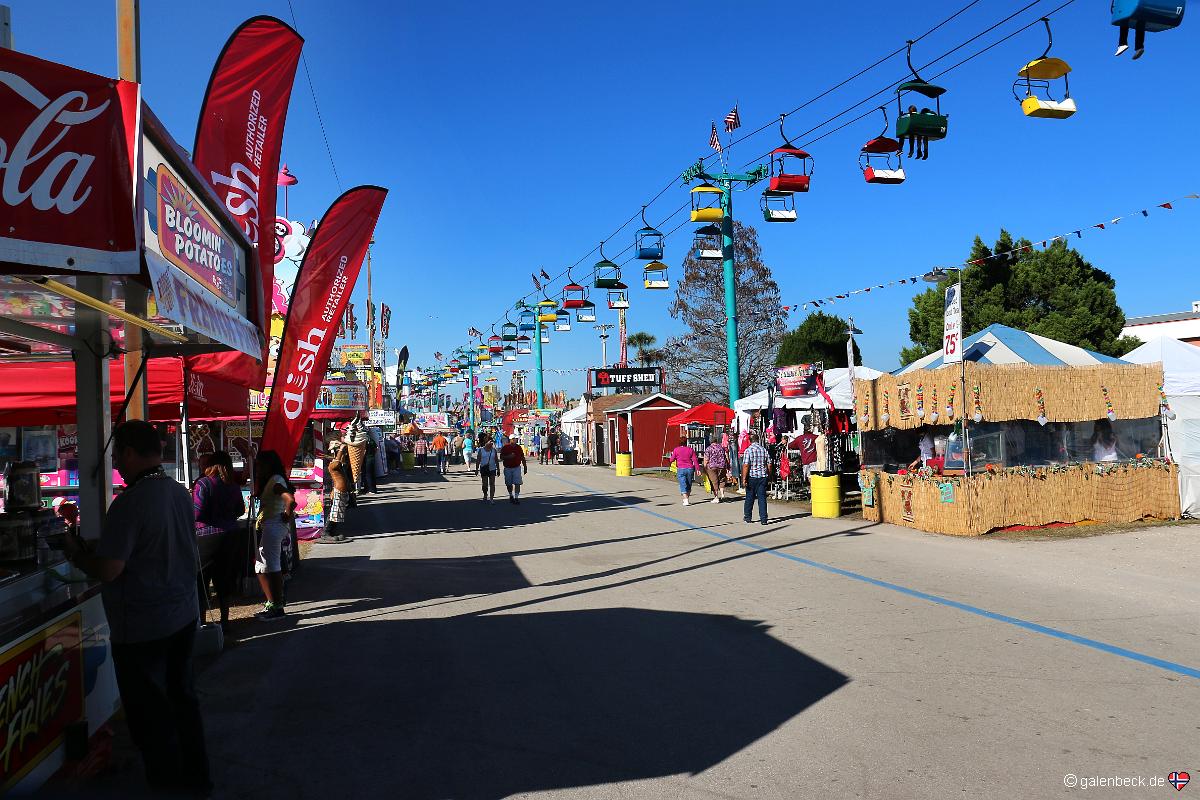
(642, 342)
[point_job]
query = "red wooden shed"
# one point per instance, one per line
(639, 426)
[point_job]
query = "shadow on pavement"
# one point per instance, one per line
(483, 707)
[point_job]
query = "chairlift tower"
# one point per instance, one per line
(727, 181)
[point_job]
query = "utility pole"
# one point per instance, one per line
(129, 68)
(726, 181)
(6, 38)
(370, 330)
(604, 329)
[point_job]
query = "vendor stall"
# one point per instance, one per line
(75, 293)
(807, 419)
(972, 448)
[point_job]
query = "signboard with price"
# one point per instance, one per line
(952, 326)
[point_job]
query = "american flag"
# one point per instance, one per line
(438, 356)
(536, 282)
(732, 120)
(714, 141)
(474, 332)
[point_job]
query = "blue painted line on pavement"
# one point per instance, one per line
(1104, 647)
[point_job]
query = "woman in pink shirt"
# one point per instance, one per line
(686, 464)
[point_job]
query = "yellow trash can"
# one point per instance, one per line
(624, 465)
(826, 496)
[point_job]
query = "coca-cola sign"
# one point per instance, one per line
(67, 153)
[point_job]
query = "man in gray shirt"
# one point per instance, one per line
(147, 558)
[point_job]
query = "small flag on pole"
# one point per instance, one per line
(536, 282)
(544, 275)
(714, 141)
(732, 120)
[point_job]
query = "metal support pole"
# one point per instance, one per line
(93, 412)
(471, 391)
(727, 265)
(537, 360)
(185, 436)
(623, 338)
(370, 334)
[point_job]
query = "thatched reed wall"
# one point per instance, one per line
(1029, 496)
(1009, 392)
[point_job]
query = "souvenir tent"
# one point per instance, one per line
(1029, 431)
(837, 386)
(1181, 385)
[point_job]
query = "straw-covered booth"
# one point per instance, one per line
(966, 449)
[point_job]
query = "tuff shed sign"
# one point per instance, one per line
(646, 378)
(68, 143)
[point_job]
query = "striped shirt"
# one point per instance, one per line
(756, 459)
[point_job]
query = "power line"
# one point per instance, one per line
(828, 120)
(312, 90)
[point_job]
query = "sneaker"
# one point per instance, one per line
(747, 519)
(685, 502)
(270, 611)
(516, 501)
(715, 500)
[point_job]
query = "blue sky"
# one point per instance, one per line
(514, 137)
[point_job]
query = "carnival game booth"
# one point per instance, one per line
(148, 261)
(1181, 411)
(1025, 444)
(640, 431)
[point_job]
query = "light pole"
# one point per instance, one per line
(726, 181)
(604, 329)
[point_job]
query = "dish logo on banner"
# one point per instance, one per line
(952, 326)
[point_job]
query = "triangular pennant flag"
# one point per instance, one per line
(805, 307)
(1078, 233)
(1115, 221)
(879, 286)
(1099, 225)
(1167, 206)
(913, 279)
(1192, 196)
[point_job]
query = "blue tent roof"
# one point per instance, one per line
(1000, 344)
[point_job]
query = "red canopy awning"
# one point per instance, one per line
(704, 414)
(44, 393)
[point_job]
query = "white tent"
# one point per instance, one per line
(837, 384)
(573, 423)
(1181, 384)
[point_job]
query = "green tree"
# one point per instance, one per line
(695, 361)
(1052, 292)
(642, 342)
(820, 337)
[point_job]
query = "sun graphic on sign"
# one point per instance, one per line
(179, 201)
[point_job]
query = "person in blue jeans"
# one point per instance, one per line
(686, 464)
(755, 466)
